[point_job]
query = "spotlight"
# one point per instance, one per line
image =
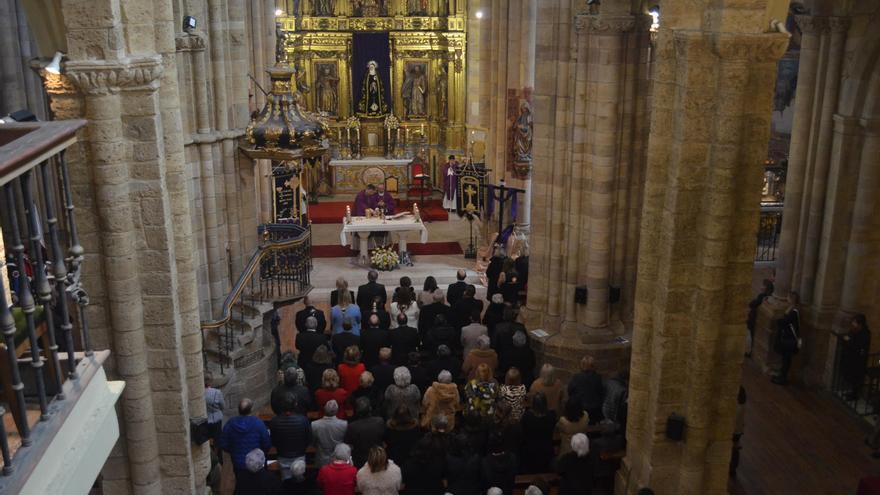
(189, 24)
(54, 66)
(479, 14)
(279, 12)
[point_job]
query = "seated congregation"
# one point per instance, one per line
(434, 395)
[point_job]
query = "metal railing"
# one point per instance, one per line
(42, 310)
(769, 228)
(867, 398)
(278, 271)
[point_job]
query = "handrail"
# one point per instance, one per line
(259, 254)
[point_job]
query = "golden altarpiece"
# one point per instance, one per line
(424, 109)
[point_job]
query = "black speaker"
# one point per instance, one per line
(675, 427)
(580, 294)
(613, 295)
(23, 116)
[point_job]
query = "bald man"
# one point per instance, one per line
(456, 290)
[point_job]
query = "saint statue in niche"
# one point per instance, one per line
(522, 134)
(324, 7)
(415, 92)
(370, 8)
(326, 89)
(417, 7)
(372, 103)
(442, 96)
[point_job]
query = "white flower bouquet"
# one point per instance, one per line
(384, 258)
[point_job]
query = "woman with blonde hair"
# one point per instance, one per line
(345, 311)
(481, 393)
(551, 386)
(379, 476)
(330, 390)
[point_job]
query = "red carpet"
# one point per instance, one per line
(336, 251)
(333, 211)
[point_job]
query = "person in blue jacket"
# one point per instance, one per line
(242, 434)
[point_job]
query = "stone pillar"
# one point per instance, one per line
(710, 123)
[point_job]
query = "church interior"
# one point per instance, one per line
(635, 244)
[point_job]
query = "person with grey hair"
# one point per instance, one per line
(551, 386)
(292, 386)
(402, 392)
(575, 468)
(309, 340)
(441, 399)
(483, 354)
(338, 477)
(327, 433)
(533, 490)
(445, 360)
(471, 332)
(301, 481)
(254, 478)
(494, 491)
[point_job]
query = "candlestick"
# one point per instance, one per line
(422, 129)
(348, 134)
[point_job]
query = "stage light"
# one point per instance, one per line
(479, 14)
(54, 66)
(279, 12)
(189, 24)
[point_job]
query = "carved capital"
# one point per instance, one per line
(109, 77)
(809, 24)
(190, 43)
(838, 24)
(757, 48)
(611, 24)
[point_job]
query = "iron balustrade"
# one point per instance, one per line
(769, 229)
(278, 271)
(867, 400)
(42, 308)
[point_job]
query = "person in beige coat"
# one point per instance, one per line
(552, 387)
(483, 354)
(441, 398)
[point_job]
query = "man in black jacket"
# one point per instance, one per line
(373, 338)
(364, 432)
(310, 310)
(291, 434)
(587, 388)
(404, 339)
(504, 331)
(343, 340)
(455, 291)
(465, 307)
(291, 385)
(383, 372)
(370, 290)
(308, 340)
(429, 312)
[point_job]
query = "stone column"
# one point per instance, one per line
(808, 84)
(710, 123)
(526, 78)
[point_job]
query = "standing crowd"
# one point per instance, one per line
(426, 393)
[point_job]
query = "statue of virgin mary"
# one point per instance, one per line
(372, 103)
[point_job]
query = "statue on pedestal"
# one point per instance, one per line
(417, 7)
(442, 95)
(522, 134)
(415, 92)
(372, 103)
(327, 95)
(370, 8)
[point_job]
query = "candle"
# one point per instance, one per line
(348, 134)
(422, 128)
(398, 137)
(339, 133)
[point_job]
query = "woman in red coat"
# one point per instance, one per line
(330, 390)
(350, 369)
(339, 477)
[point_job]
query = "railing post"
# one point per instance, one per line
(4, 445)
(25, 296)
(59, 268)
(41, 281)
(7, 325)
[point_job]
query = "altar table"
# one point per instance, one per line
(361, 227)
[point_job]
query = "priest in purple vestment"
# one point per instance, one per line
(365, 200)
(450, 183)
(384, 200)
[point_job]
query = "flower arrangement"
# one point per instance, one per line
(384, 258)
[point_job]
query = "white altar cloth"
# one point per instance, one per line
(364, 225)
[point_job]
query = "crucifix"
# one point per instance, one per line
(469, 191)
(501, 193)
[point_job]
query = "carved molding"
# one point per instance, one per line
(611, 24)
(838, 24)
(190, 43)
(109, 77)
(766, 47)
